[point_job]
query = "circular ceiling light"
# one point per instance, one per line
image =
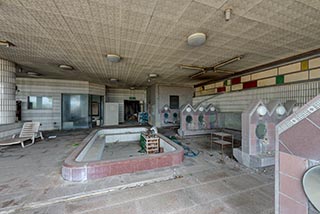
(201, 108)
(197, 39)
(212, 108)
(66, 67)
(113, 58)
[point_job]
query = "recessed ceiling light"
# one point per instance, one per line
(153, 75)
(66, 67)
(113, 80)
(132, 88)
(5, 43)
(197, 39)
(113, 58)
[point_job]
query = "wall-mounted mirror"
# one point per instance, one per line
(311, 185)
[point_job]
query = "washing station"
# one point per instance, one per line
(197, 120)
(258, 132)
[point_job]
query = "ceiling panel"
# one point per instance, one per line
(151, 36)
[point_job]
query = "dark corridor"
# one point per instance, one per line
(131, 110)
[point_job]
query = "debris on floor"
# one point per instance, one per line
(187, 151)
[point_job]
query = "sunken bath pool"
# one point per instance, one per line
(110, 152)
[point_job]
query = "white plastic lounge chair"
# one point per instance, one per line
(29, 131)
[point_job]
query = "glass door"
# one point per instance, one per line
(75, 108)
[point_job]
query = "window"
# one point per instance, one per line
(39, 102)
(174, 102)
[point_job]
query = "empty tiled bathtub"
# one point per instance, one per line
(108, 152)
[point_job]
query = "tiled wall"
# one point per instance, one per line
(151, 103)
(307, 70)
(239, 101)
(160, 96)
(7, 131)
(51, 118)
(290, 192)
(297, 149)
(7, 92)
(97, 89)
(115, 95)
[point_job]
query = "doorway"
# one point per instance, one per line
(131, 110)
(96, 110)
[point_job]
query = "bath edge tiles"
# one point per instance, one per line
(264, 74)
(300, 76)
(237, 87)
(314, 63)
(267, 82)
(315, 73)
(219, 84)
(289, 68)
(246, 78)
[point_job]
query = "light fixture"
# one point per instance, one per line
(280, 110)
(132, 88)
(212, 108)
(113, 58)
(197, 74)
(262, 110)
(201, 108)
(153, 75)
(66, 67)
(188, 109)
(197, 39)
(33, 74)
(227, 14)
(229, 61)
(5, 43)
(113, 80)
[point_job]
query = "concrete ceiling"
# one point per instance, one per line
(151, 36)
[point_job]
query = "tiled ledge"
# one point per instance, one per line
(82, 171)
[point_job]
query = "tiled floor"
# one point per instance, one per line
(121, 150)
(31, 182)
